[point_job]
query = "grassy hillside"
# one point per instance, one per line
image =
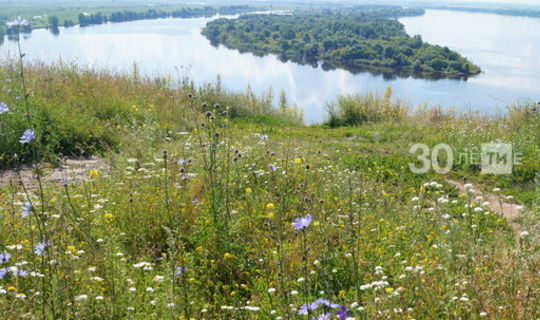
(197, 216)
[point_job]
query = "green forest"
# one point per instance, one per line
(370, 40)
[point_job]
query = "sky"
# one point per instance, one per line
(498, 3)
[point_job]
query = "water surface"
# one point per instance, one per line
(507, 49)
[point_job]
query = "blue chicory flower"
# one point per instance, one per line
(27, 136)
(40, 248)
(179, 271)
(303, 222)
(3, 108)
(4, 257)
(19, 22)
(342, 313)
(3, 272)
(324, 316)
(26, 209)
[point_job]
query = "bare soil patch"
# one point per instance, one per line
(71, 171)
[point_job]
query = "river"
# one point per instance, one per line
(506, 48)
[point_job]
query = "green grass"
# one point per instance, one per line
(384, 242)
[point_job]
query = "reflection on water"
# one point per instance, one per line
(506, 48)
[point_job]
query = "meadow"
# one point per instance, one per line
(218, 205)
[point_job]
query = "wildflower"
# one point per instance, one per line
(20, 273)
(93, 173)
(271, 290)
(342, 313)
(4, 257)
(294, 293)
(17, 23)
(248, 190)
(264, 137)
(305, 308)
(39, 249)
(252, 308)
(298, 161)
(3, 108)
(303, 222)
(81, 297)
(326, 303)
(3, 272)
(99, 298)
(270, 205)
(142, 264)
(228, 256)
(522, 234)
(179, 271)
(324, 316)
(27, 136)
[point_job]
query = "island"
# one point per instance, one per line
(355, 40)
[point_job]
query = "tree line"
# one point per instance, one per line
(123, 16)
(356, 40)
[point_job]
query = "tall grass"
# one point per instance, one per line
(205, 215)
(80, 111)
(355, 110)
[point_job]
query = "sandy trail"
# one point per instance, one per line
(511, 212)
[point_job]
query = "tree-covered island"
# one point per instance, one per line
(355, 40)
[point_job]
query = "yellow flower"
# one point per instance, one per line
(71, 248)
(389, 290)
(248, 190)
(228, 255)
(11, 288)
(108, 215)
(93, 173)
(298, 160)
(270, 215)
(270, 205)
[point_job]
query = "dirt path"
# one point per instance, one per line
(71, 171)
(511, 212)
